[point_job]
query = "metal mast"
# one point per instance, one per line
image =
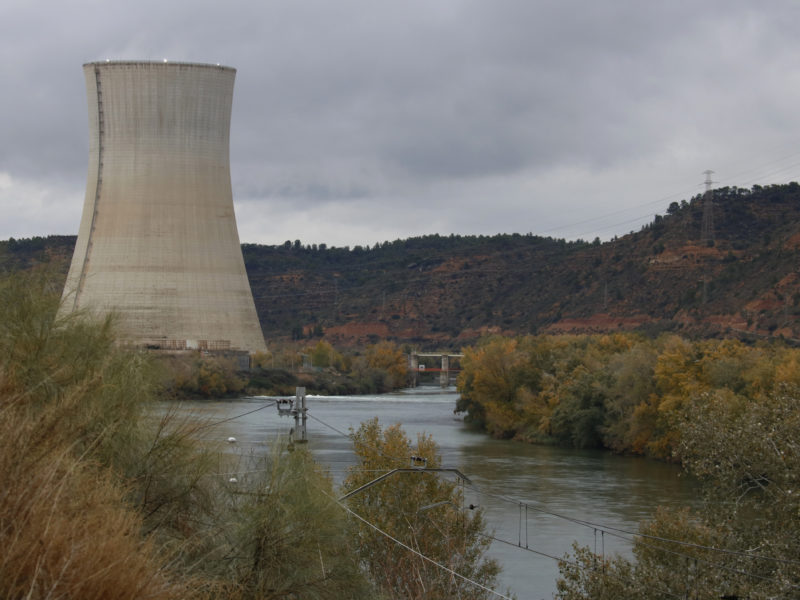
(707, 231)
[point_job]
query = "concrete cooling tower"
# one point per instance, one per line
(158, 243)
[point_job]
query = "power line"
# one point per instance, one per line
(585, 523)
(674, 195)
(574, 564)
(634, 220)
(610, 530)
(417, 552)
(772, 173)
(704, 560)
(619, 212)
(402, 459)
(597, 526)
(613, 531)
(266, 470)
(663, 199)
(577, 565)
(215, 423)
(761, 167)
(666, 198)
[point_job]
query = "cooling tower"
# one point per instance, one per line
(158, 243)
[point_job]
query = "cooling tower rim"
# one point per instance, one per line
(156, 63)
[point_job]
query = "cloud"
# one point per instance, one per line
(351, 119)
(32, 208)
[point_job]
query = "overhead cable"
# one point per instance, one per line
(250, 412)
(402, 459)
(573, 563)
(610, 530)
(418, 553)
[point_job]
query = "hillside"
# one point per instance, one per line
(439, 291)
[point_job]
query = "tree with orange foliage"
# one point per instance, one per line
(388, 357)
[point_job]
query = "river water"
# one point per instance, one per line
(559, 486)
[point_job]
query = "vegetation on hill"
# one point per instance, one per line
(447, 290)
(436, 290)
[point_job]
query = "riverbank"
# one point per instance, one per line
(623, 392)
(378, 369)
(596, 486)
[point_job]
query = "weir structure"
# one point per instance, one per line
(158, 243)
(444, 373)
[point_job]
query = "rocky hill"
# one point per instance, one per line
(741, 278)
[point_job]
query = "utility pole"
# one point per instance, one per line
(707, 230)
(299, 412)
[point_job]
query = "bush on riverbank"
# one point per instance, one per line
(744, 541)
(730, 412)
(382, 368)
(622, 392)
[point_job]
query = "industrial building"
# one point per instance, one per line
(158, 243)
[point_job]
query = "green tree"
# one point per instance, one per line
(285, 536)
(324, 355)
(262, 360)
(421, 509)
(631, 383)
(578, 419)
(214, 376)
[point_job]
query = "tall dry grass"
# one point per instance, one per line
(67, 395)
(65, 529)
(102, 495)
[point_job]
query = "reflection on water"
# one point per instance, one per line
(589, 486)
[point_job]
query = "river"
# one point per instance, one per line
(558, 485)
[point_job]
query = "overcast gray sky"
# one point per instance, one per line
(359, 121)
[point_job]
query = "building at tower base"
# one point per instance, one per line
(158, 243)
